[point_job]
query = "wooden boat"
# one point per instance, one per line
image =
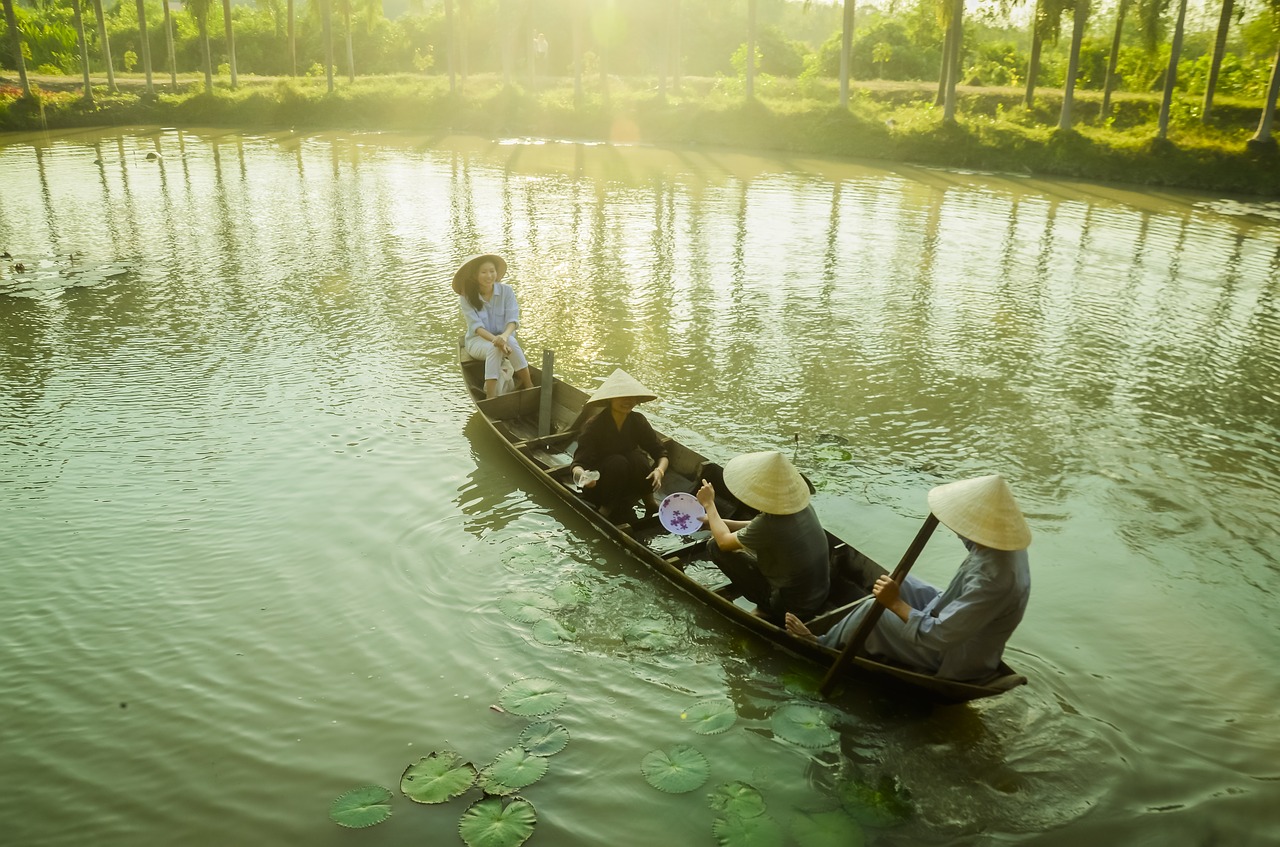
(539, 425)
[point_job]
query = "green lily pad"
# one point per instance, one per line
(512, 770)
(710, 717)
(527, 606)
(551, 631)
(882, 805)
(804, 725)
(437, 777)
(492, 823)
(802, 684)
(737, 799)
(544, 739)
(758, 831)
(570, 594)
(649, 634)
(361, 807)
(680, 770)
(826, 829)
(532, 697)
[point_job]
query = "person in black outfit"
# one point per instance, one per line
(619, 444)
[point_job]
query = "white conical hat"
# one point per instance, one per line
(982, 510)
(470, 266)
(768, 482)
(621, 384)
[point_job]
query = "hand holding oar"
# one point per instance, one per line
(868, 622)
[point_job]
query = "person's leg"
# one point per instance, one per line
(520, 364)
(479, 348)
(641, 487)
(610, 488)
(740, 567)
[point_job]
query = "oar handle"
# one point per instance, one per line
(868, 622)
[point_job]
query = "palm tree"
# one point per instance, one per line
(231, 39)
(953, 68)
(1171, 75)
(84, 50)
(751, 48)
(579, 47)
(105, 45)
(1080, 14)
(675, 46)
(15, 42)
(168, 41)
(1047, 22)
(1262, 138)
(1219, 49)
(846, 50)
(145, 47)
(1110, 82)
(344, 7)
(453, 39)
(199, 9)
(293, 44)
(326, 25)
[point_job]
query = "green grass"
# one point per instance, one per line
(889, 121)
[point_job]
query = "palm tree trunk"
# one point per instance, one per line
(145, 47)
(326, 25)
(1110, 82)
(953, 71)
(104, 45)
(1080, 15)
(675, 46)
(751, 48)
(579, 36)
(351, 56)
(1263, 136)
(846, 50)
(941, 96)
(464, 21)
(1171, 75)
(293, 44)
(1219, 49)
(202, 23)
(15, 43)
(453, 41)
(168, 43)
(231, 40)
(1033, 65)
(84, 50)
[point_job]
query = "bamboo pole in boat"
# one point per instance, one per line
(873, 614)
(544, 405)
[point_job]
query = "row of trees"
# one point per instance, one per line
(670, 38)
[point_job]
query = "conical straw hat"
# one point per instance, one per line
(768, 482)
(470, 265)
(621, 384)
(982, 510)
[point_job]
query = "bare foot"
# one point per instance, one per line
(796, 627)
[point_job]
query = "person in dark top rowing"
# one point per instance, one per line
(620, 458)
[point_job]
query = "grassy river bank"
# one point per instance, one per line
(885, 121)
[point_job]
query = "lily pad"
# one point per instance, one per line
(758, 831)
(492, 823)
(551, 631)
(570, 594)
(511, 770)
(361, 807)
(826, 829)
(527, 606)
(710, 717)
(737, 799)
(437, 777)
(544, 739)
(882, 805)
(804, 725)
(649, 634)
(678, 771)
(532, 697)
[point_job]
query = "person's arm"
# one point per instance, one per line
(726, 537)
(969, 614)
(652, 444)
(510, 313)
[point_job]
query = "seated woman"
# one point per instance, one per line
(492, 315)
(619, 444)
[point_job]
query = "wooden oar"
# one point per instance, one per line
(873, 614)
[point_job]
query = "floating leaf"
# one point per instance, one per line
(551, 631)
(531, 698)
(527, 606)
(544, 739)
(758, 831)
(804, 725)
(648, 633)
(882, 805)
(710, 717)
(682, 769)
(570, 594)
(512, 770)
(438, 777)
(802, 684)
(826, 829)
(737, 799)
(361, 807)
(491, 823)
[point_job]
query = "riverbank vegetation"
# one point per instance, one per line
(1129, 92)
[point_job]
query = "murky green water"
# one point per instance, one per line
(256, 545)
